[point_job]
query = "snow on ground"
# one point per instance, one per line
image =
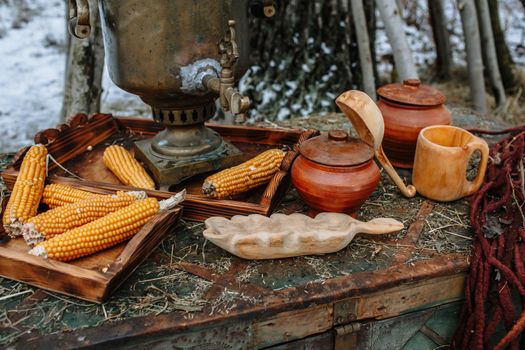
(32, 59)
(32, 63)
(31, 71)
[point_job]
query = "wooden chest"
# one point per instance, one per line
(401, 291)
(192, 295)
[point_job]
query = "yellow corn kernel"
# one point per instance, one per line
(105, 232)
(56, 195)
(244, 177)
(126, 168)
(61, 219)
(27, 192)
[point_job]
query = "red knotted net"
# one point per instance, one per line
(495, 290)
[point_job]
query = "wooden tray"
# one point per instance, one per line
(79, 145)
(94, 277)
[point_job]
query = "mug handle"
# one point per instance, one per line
(477, 145)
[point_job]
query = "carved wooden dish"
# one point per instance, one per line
(78, 146)
(93, 277)
(281, 236)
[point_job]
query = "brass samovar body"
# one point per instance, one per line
(149, 44)
(178, 56)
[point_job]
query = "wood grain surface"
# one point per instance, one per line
(94, 277)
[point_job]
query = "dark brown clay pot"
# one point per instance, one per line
(408, 108)
(335, 173)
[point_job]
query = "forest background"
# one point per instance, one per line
(302, 59)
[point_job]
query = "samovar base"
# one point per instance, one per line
(174, 170)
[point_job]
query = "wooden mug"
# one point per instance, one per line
(440, 165)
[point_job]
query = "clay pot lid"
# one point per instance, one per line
(412, 92)
(336, 148)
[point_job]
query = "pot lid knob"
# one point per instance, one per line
(338, 135)
(412, 82)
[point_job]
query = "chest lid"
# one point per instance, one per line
(336, 148)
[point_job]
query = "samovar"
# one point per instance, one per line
(178, 56)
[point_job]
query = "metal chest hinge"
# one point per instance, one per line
(346, 336)
(349, 328)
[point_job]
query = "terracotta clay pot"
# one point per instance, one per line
(408, 108)
(335, 173)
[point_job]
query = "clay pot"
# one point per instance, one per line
(335, 173)
(407, 108)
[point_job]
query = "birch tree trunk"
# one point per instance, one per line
(487, 40)
(441, 39)
(395, 32)
(469, 20)
(371, 22)
(504, 58)
(363, 44)
(84, 67)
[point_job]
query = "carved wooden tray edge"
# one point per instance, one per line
(197, 208)
(83, 283)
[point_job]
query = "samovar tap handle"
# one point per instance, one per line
(228, 48)
(229, 97)
(78, 21)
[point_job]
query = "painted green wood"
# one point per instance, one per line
(391, 333)
(420, 342)
(445, 321)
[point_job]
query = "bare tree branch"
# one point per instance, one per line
(490, 51)
(469, 19)
(84, 67)
(395, 31)
(363, 43)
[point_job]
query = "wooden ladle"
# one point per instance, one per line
(407, 191)
(368, 122)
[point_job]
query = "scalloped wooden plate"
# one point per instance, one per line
(283, 236)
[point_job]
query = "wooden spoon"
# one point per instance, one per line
(407, 191)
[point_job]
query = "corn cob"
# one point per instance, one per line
(59, 220)
(29, 185)
(105, 232)
(126, 168)
(56, 195)
(246, 176)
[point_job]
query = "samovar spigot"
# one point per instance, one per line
(230, 98)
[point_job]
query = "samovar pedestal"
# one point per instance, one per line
(168, 172)
(186, 147)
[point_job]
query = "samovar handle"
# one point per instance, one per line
(78, 22)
